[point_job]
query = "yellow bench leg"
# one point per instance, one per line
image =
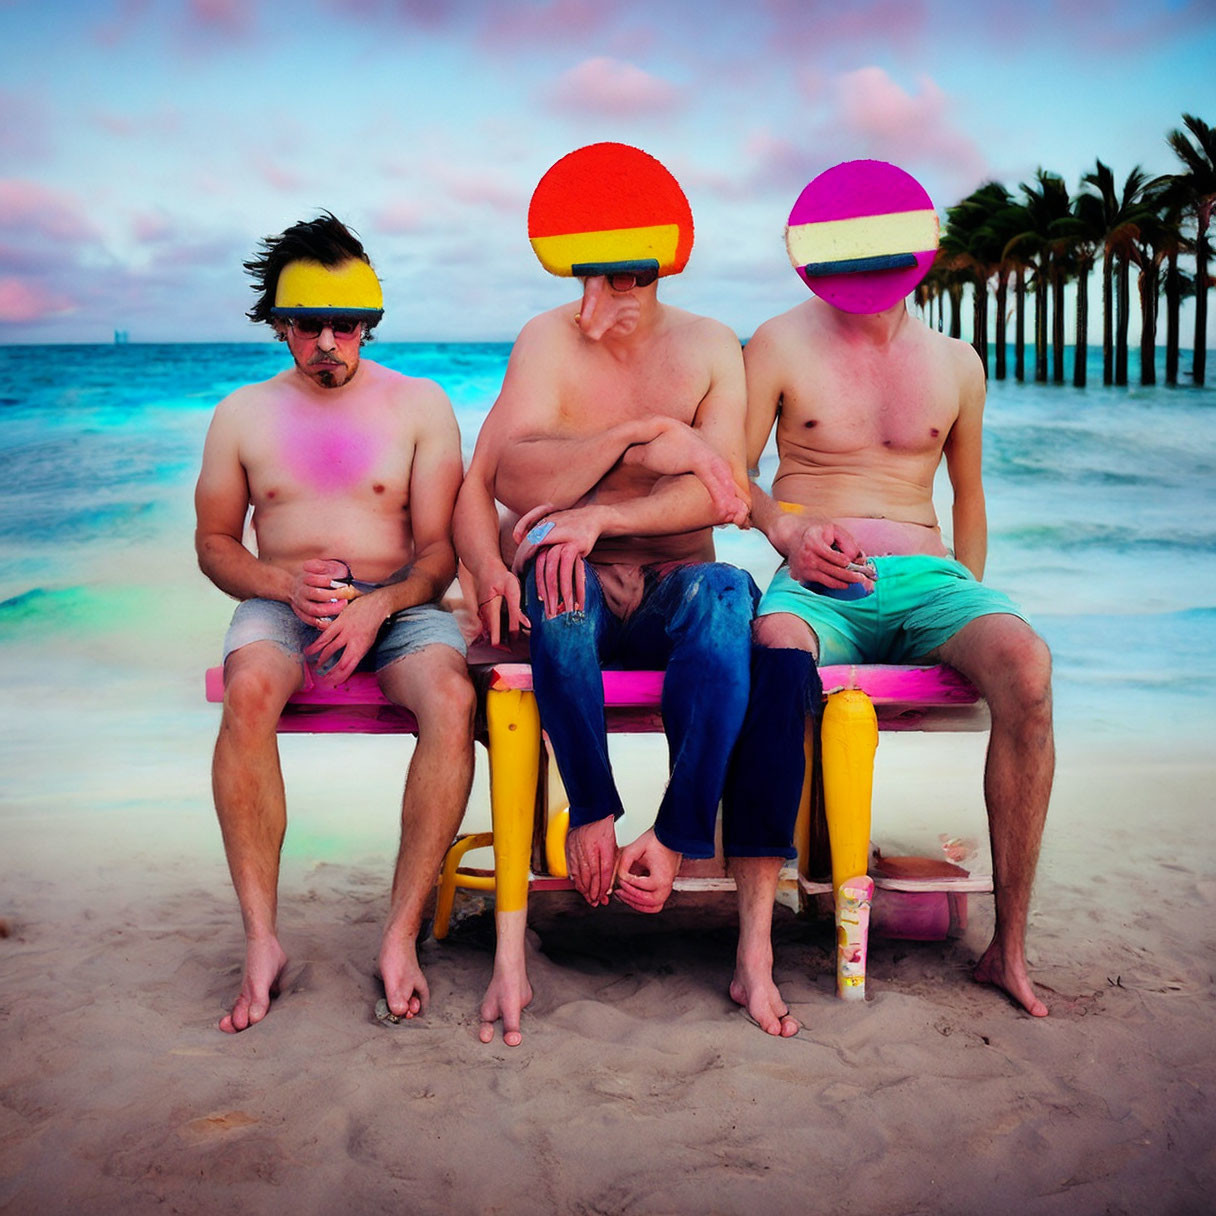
(849, 739)
(513, 723)
(450, 878)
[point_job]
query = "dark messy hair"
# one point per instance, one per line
(326, 240)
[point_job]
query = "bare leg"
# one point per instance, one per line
(249, 801)
(434, 684)
(752, 985)
(1011, 666)
(509, 993)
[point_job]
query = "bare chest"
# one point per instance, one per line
(597, 390)
(907, 414)
(307, 455)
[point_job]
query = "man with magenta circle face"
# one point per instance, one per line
(867, 401)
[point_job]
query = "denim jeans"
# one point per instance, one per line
(694, 622)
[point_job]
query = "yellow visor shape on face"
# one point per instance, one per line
(863, 236)
(307, 286)
(558, 254)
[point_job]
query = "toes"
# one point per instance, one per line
(486, 1033)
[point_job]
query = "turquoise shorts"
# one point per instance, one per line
(919, 601)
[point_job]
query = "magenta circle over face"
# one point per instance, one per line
(875, 198)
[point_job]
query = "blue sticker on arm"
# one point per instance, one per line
(537, 534)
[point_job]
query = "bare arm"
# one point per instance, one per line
(674, 504)
(221, 502)
(816, 548)
(535, 463)
(476, 529)
(964, 459)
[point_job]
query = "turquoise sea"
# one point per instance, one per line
(1100, 500)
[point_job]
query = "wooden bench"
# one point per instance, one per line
(528, 833)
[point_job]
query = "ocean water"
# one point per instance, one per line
(1101, 525)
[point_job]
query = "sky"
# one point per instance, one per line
(146, 146)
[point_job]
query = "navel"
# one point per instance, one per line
(810, 422)
(934, 432)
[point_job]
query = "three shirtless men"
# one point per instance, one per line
(616, 444)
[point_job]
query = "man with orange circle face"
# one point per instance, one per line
(617, 442)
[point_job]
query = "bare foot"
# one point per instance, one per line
(757, 993)
(508, 995)
(264, 964)
(1011, 978)
(405, 987)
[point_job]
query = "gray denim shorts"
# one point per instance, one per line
(402, 634)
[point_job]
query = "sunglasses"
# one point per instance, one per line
(628, 280)
(311, 327)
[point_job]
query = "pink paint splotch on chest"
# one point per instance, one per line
(329, 455)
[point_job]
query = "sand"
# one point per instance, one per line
(639, 1086)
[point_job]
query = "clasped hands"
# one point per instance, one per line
(640, 875)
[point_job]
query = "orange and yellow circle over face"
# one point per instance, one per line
(609, 206)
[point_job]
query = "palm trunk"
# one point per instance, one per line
(1173, 295)
(1080, 353)
(956, 305)
(1148, 323)
(1057, 325)
(1123, 319)
(979, 322)
(1040, 326)
(1199, 360)
(1019, 325)
(1108, 327)
(1002, 286)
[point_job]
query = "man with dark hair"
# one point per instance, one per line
(352, 472)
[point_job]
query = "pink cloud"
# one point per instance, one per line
(125, 126)
(41, 211)
(482, 189)
(279, 178)
(223, 16)
(151, 228)
(23, 302)
(889, 123)
(541, 25)
(1109, 25)
(400, 218)
(23, 126)
(614, 88)
(820, 24)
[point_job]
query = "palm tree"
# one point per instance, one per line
(1002, 228)
(1158, 235)
(1085, 235)
(1119, 212)
(1198, 185)
(1047, 207)
(974, 250)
